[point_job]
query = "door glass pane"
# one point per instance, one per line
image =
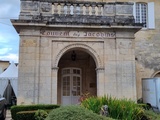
(76, 86)
(66, 86)
(78, 93)
(74, 71)
(78, 71)
(66, 71)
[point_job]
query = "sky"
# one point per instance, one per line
(9, 38)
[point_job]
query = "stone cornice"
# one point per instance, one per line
(81, 20)
(82, 2)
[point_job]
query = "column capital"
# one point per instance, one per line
(55, 68)
(100, 69)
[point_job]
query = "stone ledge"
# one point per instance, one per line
(82, 2)
(82, 19)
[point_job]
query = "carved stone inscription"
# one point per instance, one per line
(78, 34)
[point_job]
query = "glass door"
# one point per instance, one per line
(71, 85)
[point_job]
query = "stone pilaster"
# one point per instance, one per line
(100, 81)
(54, 85)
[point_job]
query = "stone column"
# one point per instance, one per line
(62, 8)
(100, 82)
(55, 8)
(93, 9)
(54, 85)
(87, 9)
(99, 10)
(74, 9)
(81, 9)
(68, 8)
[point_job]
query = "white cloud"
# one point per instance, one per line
(9, 39)
(10, 57)
(4, 50)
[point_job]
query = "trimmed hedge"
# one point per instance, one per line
(74, 113)
(25, 115)
(32, 115)
(20, 108)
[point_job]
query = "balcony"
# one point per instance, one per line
(77, 12)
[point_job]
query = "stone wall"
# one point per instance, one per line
(45, 38)
(3, 65)
(77, 12)
(147, 49)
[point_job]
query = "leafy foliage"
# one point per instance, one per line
(74, 113)
(84, 96)
(40, 115)
(118, 108)
(150, 115)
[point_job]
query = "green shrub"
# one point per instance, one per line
(25, 115)
(40, 115)
(92, 103)
(20, 108)
(74, 113)
(118, 108)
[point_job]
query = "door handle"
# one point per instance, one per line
(74, 92)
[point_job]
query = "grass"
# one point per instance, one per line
(123, 109)
(152, 115)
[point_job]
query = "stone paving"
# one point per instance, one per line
(8, 116)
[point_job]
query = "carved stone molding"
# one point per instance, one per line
(29, 43)
(92, 52)
(55, 68)
(27, 6)
(100, 69)
(46, 7)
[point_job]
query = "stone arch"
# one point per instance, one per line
(88, 49)
(156, 73)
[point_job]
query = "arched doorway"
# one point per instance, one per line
(76, 76)
(157, 74)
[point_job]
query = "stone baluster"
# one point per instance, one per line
(55, 8)
(93, 9)
(87, 9)
(62, 8)
(68, 8)
(99, 10)
(81, 8)
(74, 8)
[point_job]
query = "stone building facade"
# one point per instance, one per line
(3, 65)
(72, 47)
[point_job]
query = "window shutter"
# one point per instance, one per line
(151, 17)
(134, 11)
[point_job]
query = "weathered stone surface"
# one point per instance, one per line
(109, 9)
(29, 6)
(124, 9)
(46, 8)
(121, 13)
(47, 43)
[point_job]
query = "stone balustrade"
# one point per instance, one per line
(58, 10)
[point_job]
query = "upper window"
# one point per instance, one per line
(144, 13)
(141, 13)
